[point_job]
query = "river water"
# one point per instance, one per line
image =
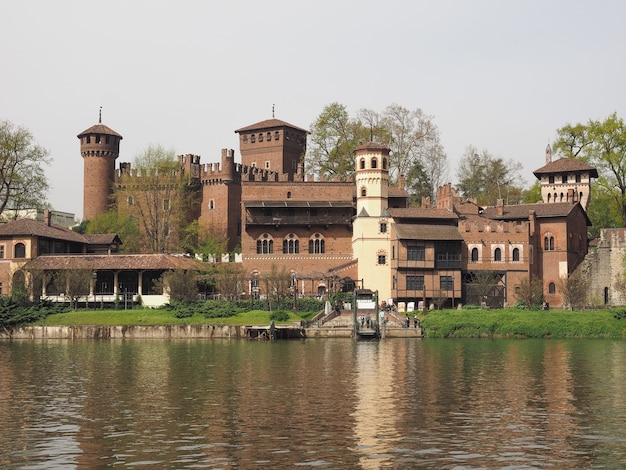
(321, 403)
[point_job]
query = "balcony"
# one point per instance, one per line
(277, 220)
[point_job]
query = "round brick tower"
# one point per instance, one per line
(99, 147)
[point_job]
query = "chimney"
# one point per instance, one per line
(47, 216)
(425, 202)
(500, 207)
(401, 181)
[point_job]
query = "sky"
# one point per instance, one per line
(499, 75)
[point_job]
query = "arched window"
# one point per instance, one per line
(265, 244)
(497, 254)
(317, 244)
(515, 254)
(474, 255)
(19, 250)
(551, 288)
(362, 164)
(549, 198)
(363, 191)
(374, 163)
(291, 244)
(384, 163)
(548, 242)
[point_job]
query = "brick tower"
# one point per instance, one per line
(99, 147)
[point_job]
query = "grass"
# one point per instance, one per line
(153, 317)
(437, 324)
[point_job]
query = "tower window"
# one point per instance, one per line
(291, 244)
(276, 135)
(551, 179)
(1, 251)
(374, 163)
(212, 204)
(267, 165)
(564, 179)
(252, 138)
(383, 227)
(19, 250)
(363, 192)
(88, 139)
(288, 194)
(382, 258)
(548, 243)
(551, 288)
(130, 200)
(245, 138)
(260, 137)
(474, 255)
(497, 254)
(269, 136)
(515, 254)
(362, 164)
(97, 139)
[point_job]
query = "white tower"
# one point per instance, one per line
(370, 232)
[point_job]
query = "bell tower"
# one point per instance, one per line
(99, 147)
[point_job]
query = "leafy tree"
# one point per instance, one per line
(529, 293)
(418, 184)
(489, 178)
(532, 195)
(75, 282)
(207, 241)
(125, 227)
(334, 136)
(603, 145)
(604, 210)
(23, 182)
(157, 196)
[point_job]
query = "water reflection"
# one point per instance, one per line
(397, 403)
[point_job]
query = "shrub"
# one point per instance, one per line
(279, 315)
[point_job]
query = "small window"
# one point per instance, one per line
(106, 139)
(267, 165)
(548, 243)
(362, 164)
(88, 139)
(245, 138)
(382, 259)
(260, 137)
(551, 179)
(269, 136)
(19, 250)
(212, 204)
(474, 255)
(1, 251)
(578, 178)
(288, 194)
(564, 179)
(551, 288)
(384, 163)
(383, 227)
(97, 139)
(374, 163)
(253, 165)
(252, 138)
(166, 229)
(276, 135)
(363, 192)
(515, 254)
(497, 254)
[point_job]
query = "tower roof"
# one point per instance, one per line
(564, 165)
(99, 129)
(269, 124)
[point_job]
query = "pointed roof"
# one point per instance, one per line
(268, 124)
(99, 129)
(564, 165)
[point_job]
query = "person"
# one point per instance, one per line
(407, 320)
(362, 321)
(415, 320)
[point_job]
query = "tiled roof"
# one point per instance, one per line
(427, 232)
(372, 146)
(394, 191)
(99, 129)
(521, 211)
(116, 262)
(30, 227)
(268, 124)
(421, 213)
(563, 165)
(102, 238)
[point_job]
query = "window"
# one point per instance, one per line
(260, 137)
(253, 138)
(291, 244)
(19, 250)
(97, 139)
(382, 259)
(212, 204)
(551, 288)
(363, 191)
(130, 200)
(515, 254)
(245, 139)
(317, 244)
(1, 251)
(362, 164)
(288, 194)
(383, 227)
(564, 179)
(269, 136)
(416, 253)
(267, 165)
(276, 135)
(446, 283)
(414, 282)
(578, 178)
(497, 254)
(374, 163)
(474, 255)
(384, 163)
(265, 244)
(551, 179)
(548, 243)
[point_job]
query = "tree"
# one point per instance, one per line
(181, 284)
(334, 136)
(529, 293)
(277, 283)
(157, 195)
(207, 241)
(489, 178)
(77, 281)
(229, 280)
(574, 290)
(418, 184)
(603, 145)
(125, 227)
(480, 285)
(23, 182)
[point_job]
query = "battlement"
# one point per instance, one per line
(493, 226)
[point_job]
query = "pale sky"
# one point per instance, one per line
(499, 75)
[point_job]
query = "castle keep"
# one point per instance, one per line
(333, 234)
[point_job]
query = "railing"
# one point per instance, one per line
(298, 220)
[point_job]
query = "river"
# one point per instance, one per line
(321, 403)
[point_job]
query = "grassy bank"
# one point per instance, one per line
(437, 324)
(523, 323)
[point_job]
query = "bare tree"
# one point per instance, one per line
(530, 292)
(230, 280)
(574, 290)
(182, 284)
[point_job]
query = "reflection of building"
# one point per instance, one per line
(334, 233)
